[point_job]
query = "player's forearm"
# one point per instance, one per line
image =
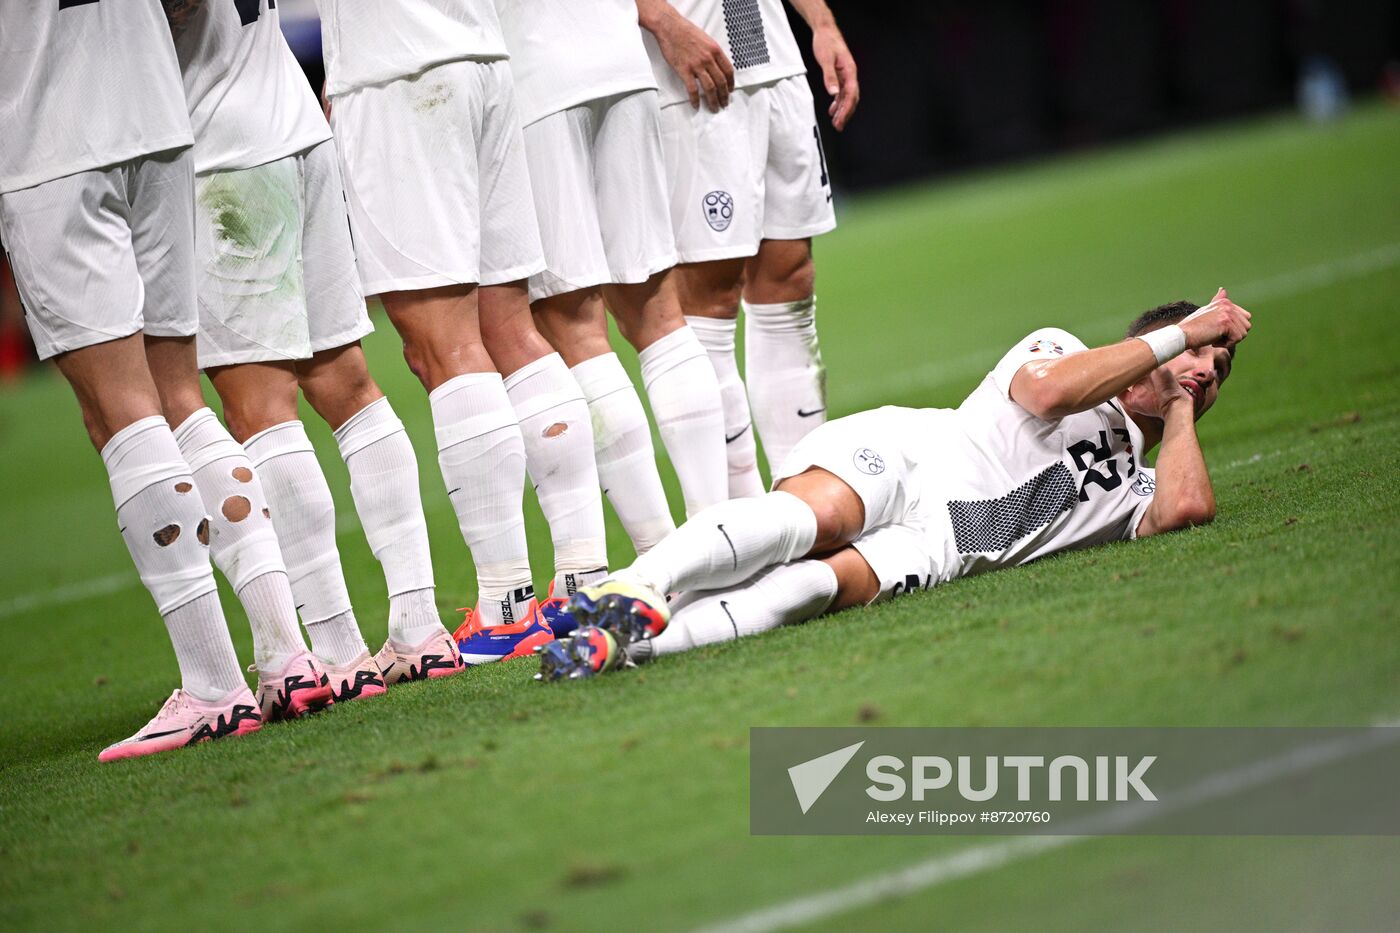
(1184, 495)
(815, 12)
(652, 14)
(1052, 389)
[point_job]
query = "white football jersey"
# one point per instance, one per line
(1012, 487)
(566, 52)
(249, 101)
(755, 34)
(373, 41)
(85, 84)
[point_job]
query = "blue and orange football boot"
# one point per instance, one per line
(561, 623)
(590, 651)
(487, 644)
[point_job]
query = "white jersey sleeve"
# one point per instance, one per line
(566, 52)
(85, 85)
(373, 41)
(1047, 343)
(755, 34)
(249, 101)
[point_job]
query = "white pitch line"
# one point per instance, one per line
(970, 365)
(943, 869)
(925, 375)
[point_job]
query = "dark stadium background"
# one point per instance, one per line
(950, 85)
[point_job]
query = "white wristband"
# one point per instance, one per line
(1166, 342)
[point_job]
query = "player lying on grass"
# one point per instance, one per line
(1042, 457)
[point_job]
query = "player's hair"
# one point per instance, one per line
(1161, 316)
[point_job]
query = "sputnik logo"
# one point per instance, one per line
(810, 779)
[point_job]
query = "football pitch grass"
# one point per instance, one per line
(490, 801)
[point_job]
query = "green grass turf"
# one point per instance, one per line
(490, 801)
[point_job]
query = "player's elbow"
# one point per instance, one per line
(1192, 511)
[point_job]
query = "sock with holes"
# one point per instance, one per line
(625, 457)
(728, 543)
(163, 522)
(303, 513)
(482, 456)
(787, 382)
(777, 596)
(558, 435)
(717, 337)
(384, 484)
(685, 399)
(241, 536)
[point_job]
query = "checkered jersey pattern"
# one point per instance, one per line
(747, 44)
(992, 525)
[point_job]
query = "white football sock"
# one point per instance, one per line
(685, 399)
(162, 520)
(728, 543)
(268, 602)
(384, 484)
(625, 457)
(303, 513)
(413, 617)
(482, 456)
(558, 434)
(777, 596)
(337, 638)
(208, 665)
(787, 382)
(242, 540)
(717, 337)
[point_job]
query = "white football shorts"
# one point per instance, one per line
(103, 254)
(277, 277)
(754, 171)
(436, 179)
(600, 194)
(903, 541)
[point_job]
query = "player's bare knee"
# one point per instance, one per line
(782, 271)
(839, 511)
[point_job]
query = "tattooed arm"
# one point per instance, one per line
(179, 13)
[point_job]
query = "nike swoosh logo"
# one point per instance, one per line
(742, 431)
(724, 604)
(453, 492)
(156, 735)
(808, 414)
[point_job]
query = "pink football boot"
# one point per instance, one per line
(185, 720)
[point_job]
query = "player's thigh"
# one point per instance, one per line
(440, 330)
(857, 583)
(864, 452)
(335, 305)
(248, 240)
(796, 185)
(711, 288)
(510, 236)
(630, 179)
(70, 249)
(559, 152)
(408, 158)
(716, 192)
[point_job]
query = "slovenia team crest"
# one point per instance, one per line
(719, 210)
(868, 461)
